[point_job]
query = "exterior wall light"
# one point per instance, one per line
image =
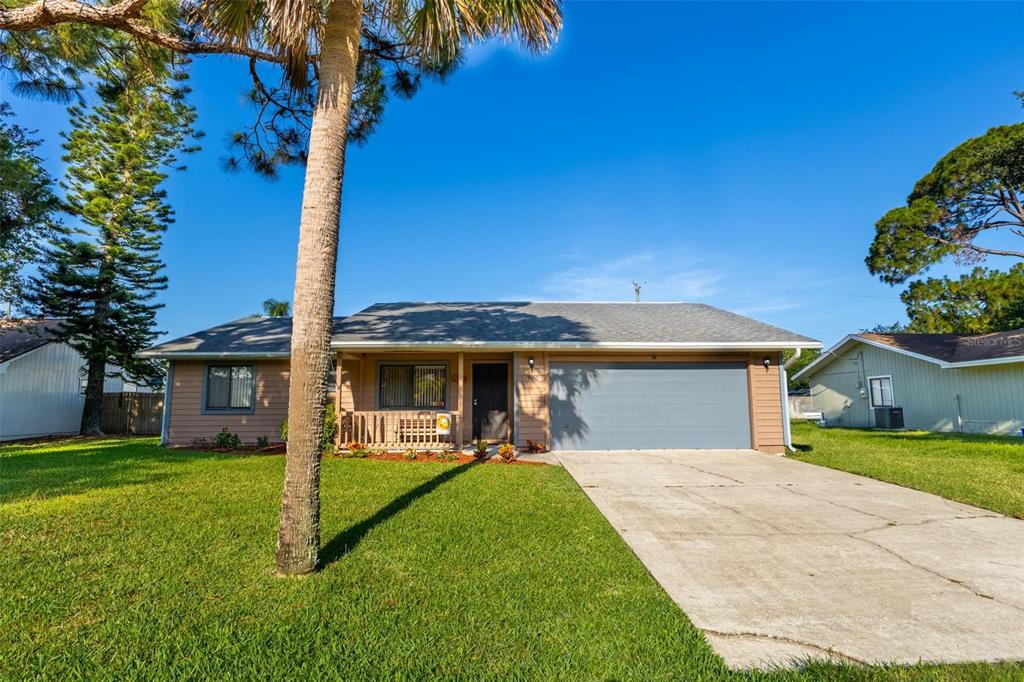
(767, 362)
(530, 361)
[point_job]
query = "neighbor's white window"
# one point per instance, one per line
(413, 386)
(230, 387)
(881, 391)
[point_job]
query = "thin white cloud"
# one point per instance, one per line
(771, 307)
(663, 278)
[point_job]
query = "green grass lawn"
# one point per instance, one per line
(121, 559)
(986, 471)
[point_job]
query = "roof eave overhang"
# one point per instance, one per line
(201, 355)
(571, 345)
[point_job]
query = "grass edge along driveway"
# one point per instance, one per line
(124, 559)
(984, 471)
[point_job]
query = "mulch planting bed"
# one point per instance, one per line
(434, 456)
(443, 456)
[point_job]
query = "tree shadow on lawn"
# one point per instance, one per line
(77, 465)
(345, 541)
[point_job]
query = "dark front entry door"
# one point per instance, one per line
(490, 401)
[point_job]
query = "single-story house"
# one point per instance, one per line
(42, 381)
(970, 383)
(569, 375)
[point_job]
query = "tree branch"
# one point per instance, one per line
(123, 16)
(981, 250)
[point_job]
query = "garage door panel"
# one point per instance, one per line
(611, 406)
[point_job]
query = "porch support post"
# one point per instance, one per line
(462, 379)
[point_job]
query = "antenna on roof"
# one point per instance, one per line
(636, 290)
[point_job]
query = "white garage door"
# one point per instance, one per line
(637, 405)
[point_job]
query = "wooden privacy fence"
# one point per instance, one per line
(395, 429)
(134, 414)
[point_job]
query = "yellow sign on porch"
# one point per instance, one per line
(444, 424)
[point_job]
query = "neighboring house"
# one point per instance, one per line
(569, 375)
(971, 383)
(42, 381)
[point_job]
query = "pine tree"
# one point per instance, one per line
(28, 209)
(103, 277)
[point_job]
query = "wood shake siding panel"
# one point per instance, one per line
(532, 390)
(187, 421)
(765, 404)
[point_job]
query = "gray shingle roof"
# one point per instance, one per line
(556, 323)
(18, 337)
(250, 335)
(513, 324)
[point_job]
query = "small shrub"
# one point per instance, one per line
(507, 453)
(330, 431)
(480, 449)
(450, 456)
(535, 447)
(262, 442)
(411, 454)
(361, 453)
(227, 440)
(355, 445)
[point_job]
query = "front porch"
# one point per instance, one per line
(400, 430)
(392, 400)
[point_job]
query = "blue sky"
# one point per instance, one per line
(733, 154)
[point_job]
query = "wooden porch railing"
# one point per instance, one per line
(393, 429)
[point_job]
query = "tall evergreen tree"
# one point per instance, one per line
(103, 277)
(28, 209)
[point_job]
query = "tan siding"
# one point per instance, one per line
(357, 387)
(188, 423)
(533, 392)
(766, 430)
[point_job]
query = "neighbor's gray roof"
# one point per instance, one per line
(957, 347)
(946, 350)
(508, 324)
(18, 337)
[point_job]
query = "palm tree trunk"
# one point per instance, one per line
(298, 539)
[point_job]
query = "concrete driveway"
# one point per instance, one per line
(778, 560)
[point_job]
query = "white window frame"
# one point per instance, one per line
(892, 392)
(206, 409)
